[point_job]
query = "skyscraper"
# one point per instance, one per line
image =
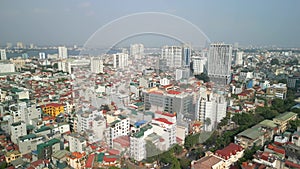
(219, 63)
(186, 54)
(238, 58)
(120, 60)
(2, 54)
(173, 56)
(137, 51)
(62, 52)
(96, 65)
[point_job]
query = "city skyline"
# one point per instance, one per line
(63, 23)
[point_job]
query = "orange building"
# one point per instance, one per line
(53, 109)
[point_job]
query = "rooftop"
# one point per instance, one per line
(142, 131)
(231, 149)
(268, 123)
(285, 116)
(163, 120)
(207, 162)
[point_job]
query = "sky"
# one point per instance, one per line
(62, 22)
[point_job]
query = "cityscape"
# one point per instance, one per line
(149, 85)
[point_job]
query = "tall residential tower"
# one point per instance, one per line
(219, 63)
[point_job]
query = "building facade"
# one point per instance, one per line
(219, 63)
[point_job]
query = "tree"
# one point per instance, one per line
(207, 121)
(203, 77)
(177, 149)
(275, 61)
(184, 163)
(191, 140)
(294, 124)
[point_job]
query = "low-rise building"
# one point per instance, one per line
(45, 150)
(77, 143)
(277, 90)
(231, 154)
(210, 161)
(76, 160)
(256, 135)
(11, 156)
(17, 130)
(29, 142)
(53, 109)
(283, 119)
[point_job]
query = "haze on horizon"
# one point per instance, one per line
(56, 22)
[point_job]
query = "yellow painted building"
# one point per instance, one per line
(12, 156)
(53, 109)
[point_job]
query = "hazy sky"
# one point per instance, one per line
(56, 22)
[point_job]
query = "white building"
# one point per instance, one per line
(183, 73)
(62, 52)
(164, 81)
(120, 60)
(173, 56)
(239, 58)
(118, 127)
(2, 54)
(138, 143)
(137, 51)
(165, 129)
(64, 66)
(18, 112)
(219, 63)
(210, 109)
(42, 55)
(199, 64)
(77, 143)
(7, 68)
(17, 130)
(96, 65)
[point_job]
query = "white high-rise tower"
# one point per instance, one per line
(96, 65)
(2, 54)
(120, 60)
(137, 51)
(219, 63)
(62, 52)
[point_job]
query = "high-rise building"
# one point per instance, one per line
(186, 54)
(2, 54)
(238, 58)
(8, 45)
(96, 65)
(219, 63)
(120, 60)
(20, 45)
(137, 51)
(62, 52)
(173, 56)
(199, 65)
(42, 55)
(210, 109)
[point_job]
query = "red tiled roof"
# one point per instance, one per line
(90, 161)
(231, 149)
(163, 120)
(37, 163)
(173, 92)
(107, 159)
(165, 114)
(291, 164)
(113, 152)
(52, 105)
